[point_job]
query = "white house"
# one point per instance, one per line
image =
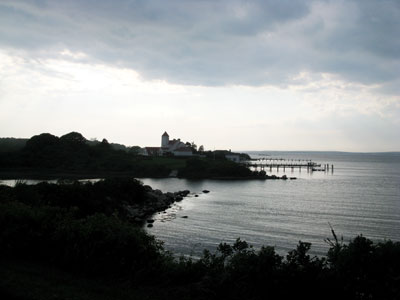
(175, 147)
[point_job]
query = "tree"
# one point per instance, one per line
(135, 150)
(201, 148)
(73, 137)
(41, 141)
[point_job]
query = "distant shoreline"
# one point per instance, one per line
(27, 174)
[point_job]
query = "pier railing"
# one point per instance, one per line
(263, 164)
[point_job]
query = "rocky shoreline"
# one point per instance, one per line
(156, 201)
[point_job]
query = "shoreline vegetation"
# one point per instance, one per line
(81, 241)
(72, 156)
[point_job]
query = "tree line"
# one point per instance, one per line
(73, 155)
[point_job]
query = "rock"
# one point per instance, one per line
(196, 195)
(147, 188)
(206, 191)
(158, 192)
(150, 221)
(178, 198)
(184, 217)
(185, 193)
(149, 225)
(284, 177)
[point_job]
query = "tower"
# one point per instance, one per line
(164, 140)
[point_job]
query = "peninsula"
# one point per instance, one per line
(46, 156)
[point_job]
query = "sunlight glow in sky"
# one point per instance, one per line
(240, 75)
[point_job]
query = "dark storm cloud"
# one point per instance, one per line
(215, 42)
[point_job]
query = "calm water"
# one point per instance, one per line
(362, 196)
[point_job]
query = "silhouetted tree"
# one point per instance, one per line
(73, 137)
(41, 141)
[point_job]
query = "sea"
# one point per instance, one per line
(360, 196)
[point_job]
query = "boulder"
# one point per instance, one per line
(206, 191)
(184, 193)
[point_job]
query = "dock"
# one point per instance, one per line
(283, 164)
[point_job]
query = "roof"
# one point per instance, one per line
(165, 134)
(174, 142)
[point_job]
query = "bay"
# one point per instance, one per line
(361, 196)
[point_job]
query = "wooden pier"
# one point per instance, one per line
(292, 164)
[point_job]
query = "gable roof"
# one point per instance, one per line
(173, 142)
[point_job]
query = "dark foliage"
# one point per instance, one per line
(206, 168)
(72, 153)
(11, 144)
(220, 154)
(79, 227)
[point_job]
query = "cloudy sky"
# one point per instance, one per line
(241, 75)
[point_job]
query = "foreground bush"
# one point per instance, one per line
(95, 244)
(54, 224)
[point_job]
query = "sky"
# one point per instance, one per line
(241, 75)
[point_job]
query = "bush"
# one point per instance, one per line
(78, 227)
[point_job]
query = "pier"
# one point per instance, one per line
(292, 164)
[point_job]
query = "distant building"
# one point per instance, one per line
(169, 147)
(184, 151)
(175, 146)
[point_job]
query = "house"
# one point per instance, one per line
(183, 151)
(169, 147)
(175, 146)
